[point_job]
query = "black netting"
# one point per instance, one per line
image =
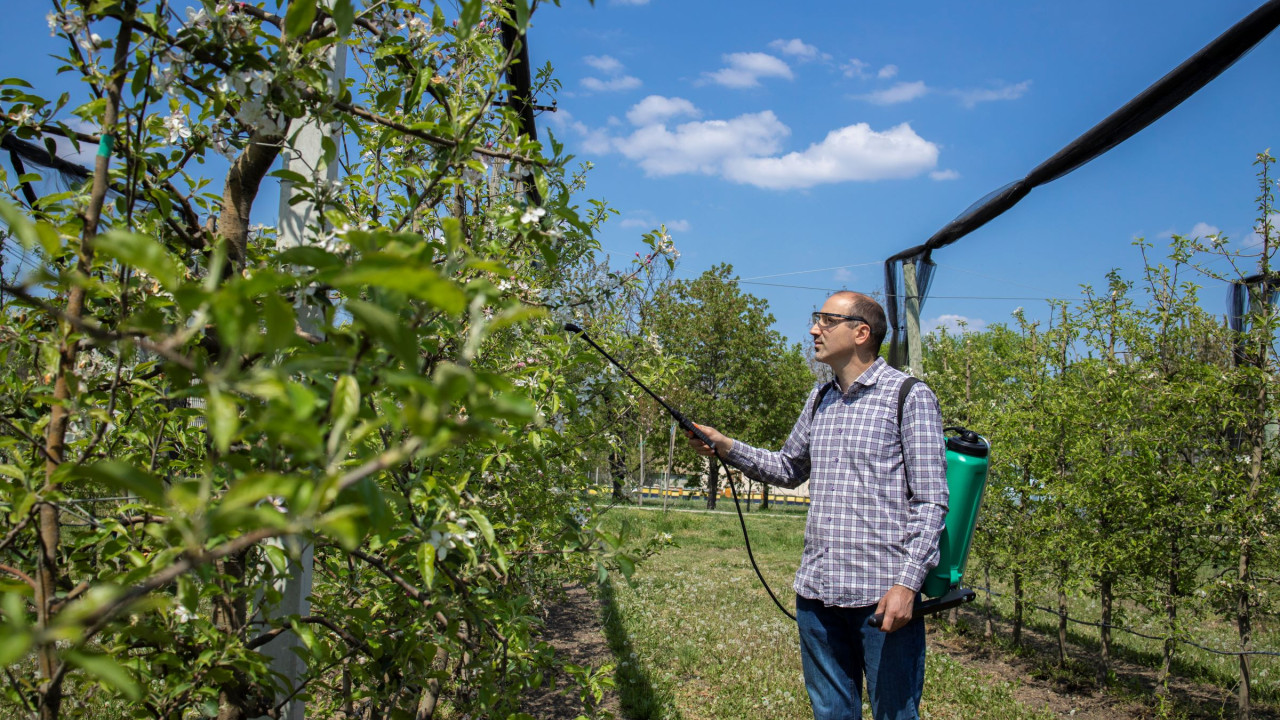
(1150, 105)
(895, 296)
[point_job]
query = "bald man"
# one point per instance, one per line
(878, 499)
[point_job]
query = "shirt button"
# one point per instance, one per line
(839, 431)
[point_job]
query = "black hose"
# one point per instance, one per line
(746, 539)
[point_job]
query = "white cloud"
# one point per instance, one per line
(745, 149)
(658, 109)
(900, 93)
(592, 140)
(603, 63)
(610, 66)
(702, 147)
(796, 48)
(944, 175)
(887, 72)
(614, 84)
(1004, 91)
(744, 70)
(1203, 230)
(843, 275)
(855, 152)
(648, 221)
(954, 323)
(855, 68)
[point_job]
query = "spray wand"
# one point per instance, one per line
(697, 432)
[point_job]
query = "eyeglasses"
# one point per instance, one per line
(827, 320)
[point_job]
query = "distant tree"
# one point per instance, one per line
(741, 376)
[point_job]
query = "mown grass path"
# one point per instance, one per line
(696, 637)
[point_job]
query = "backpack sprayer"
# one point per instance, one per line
(967, 462)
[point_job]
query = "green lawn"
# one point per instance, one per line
(697, 637)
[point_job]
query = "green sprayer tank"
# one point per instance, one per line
(967, 456)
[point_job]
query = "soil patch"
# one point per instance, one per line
(1073, 691)
(574, 628)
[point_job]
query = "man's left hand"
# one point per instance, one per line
(895, 608)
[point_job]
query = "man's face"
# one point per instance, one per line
(836, 345)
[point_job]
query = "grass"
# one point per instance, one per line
(696, 637)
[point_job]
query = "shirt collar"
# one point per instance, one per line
(868, 377)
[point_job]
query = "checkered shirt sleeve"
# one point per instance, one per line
(871, 524)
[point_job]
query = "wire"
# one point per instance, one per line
(1123, 629)
(803, 272)
(940, 297)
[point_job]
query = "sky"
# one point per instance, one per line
(789, 137)
(804, 143)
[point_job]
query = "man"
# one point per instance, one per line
(878, 497)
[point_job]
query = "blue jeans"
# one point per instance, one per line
(838, 647)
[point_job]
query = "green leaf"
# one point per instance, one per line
(142, 252)
(124, 476)
(310, 257)
(345, 407)
(224, 419)
(469, 16)
(522, 15)
(281, 322)
(106, 669)
(482, 522)
(13, 645)
(20, 226)
(276, 556)
(427, 563)
(298, 19)
(422, 283)
(344, 16)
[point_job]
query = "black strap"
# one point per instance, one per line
(903, 392)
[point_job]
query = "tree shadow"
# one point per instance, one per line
(641, 700)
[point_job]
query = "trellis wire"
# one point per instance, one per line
(1123, 629)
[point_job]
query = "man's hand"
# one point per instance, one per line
(895, 608)
(723, 444)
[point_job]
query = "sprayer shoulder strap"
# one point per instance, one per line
(903, 391)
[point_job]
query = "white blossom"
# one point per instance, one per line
(176, 124)
(532, 215)
(182, 614)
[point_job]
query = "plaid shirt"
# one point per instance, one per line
(869, 526)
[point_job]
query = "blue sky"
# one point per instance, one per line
(784, 137)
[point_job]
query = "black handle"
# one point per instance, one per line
(954, 597)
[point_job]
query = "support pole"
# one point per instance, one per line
(296, 219)
(913, 365)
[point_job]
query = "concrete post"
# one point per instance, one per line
(914, 365)
(304, 157)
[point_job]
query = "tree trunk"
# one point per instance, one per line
(50, 527)
(1244, 626)
(1106, 597)
(713, 483)
(1017, 608)
(1062, 614)
(618, 473)
(764, 496)
(1061, 619)
(988, 629)
(1171, 615)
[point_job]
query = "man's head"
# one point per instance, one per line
(849, 325)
